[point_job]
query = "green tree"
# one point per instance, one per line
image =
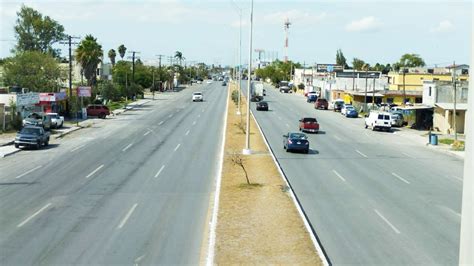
(122, 50)
(34, 70)
(358, 64)
(112, 54)
(411, 60)
(179, 56)
(341, 59)
(37, 33)
(108, 90)
(122, 73)
(89, 54)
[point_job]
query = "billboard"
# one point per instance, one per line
(84, 91)
(25, 99)
(328, 68)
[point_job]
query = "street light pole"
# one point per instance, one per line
(404, 90)
(240, 62)
(373, 91)
(365, 96)
(247, 150)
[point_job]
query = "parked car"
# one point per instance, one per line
(349, 111)
(38, 119)
(262, 106)
(57, 121)
(378, 120)
(309, 124)
(224, 83)
(198, 97)
(312, 97)
(397, 119)
(295, 142)
(98, 110)
(321, 103)
(337, 104)
(32, 136)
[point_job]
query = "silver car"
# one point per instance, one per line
(396, 120)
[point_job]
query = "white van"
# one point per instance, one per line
(378, 120)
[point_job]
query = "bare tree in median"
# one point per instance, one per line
(237, 159)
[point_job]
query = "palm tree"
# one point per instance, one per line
(122, 49)
(112, 54)
(179, 56)
(89, 54)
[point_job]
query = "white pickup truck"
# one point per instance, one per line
(57, 121)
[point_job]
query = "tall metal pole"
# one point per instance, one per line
(454, 102)
(404, 90)
(70, 74)
(373, 93)
(466, 256)
(240, 62)
(365, 96)
(247, 150)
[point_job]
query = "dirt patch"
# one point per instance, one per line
(257, 222)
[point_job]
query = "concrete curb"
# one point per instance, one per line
(448, 152)
(8, 143)
(67, 132)
(309, 227)
(2, 155)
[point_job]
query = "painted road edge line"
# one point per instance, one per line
(312, 233)
(129, 213)
(387, 221)
(215, 207)
(159, 171)
(401, 178)
(338, 175)
(34, 215)
(361, 153)
(29, 171)
(95, 171)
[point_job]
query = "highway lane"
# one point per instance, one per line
(373, 197)
(139, 195)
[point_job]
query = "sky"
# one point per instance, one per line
(208, 31)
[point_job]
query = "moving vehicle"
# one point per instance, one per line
(321, 103)
(38, 119)
(308, 89)
(337, 105)
(349, 111)
(296, 142)
(378, 120)
(98, 110)
(198, 97)
(224, 83)
(32, 136)
(312, 97)
(284, 87)
(309, 124)
(257, 92)
(262, 106)
(57, 121)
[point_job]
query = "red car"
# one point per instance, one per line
(321, 104)
(98, 110)
(309, 124)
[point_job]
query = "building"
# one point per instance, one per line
(440, 95)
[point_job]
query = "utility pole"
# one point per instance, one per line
(70, 43)
(159, 70)
(133, 64)
(365, 96)
(454, 102)
(373, 92)
(404, 90)
(353, 78)
(247, 150)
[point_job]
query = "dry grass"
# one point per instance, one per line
(258, 222)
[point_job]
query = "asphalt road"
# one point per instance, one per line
(134, 189)
(372, 197)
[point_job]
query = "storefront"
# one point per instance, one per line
(53, 102)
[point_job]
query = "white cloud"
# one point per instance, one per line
(443, 26)
(295, 16)
(364, 24)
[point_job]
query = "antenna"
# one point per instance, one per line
(287, 28)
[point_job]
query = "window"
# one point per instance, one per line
(389, 100)
(429, 92)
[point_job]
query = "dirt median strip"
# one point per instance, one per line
(258, 223)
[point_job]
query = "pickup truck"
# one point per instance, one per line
(309, 124)
(57, 121)
(31, 136)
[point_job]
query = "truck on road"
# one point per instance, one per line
(257, 92)
(32, 136)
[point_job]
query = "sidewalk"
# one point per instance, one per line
(6, 140)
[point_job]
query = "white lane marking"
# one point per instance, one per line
(95, 171)
(387, 221)
(199, 116)
(202, 110)
(161, 123)
(177, 147)
(77, 148)
(194, 123)
(33, 216)
(408, 155)
(29, 171)
(338, 138)
(361, 153)
(338, 175)
(287, 125)
(187, 132)
(458, 178)
(401, 178)
(159, 171)
(129, 213)
(171, 115)
(146, 133)
(128, 146)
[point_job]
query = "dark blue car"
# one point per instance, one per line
(296, 142)
(311, 98)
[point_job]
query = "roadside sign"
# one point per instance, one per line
(328, 68)
(25, 99)
(84, 91)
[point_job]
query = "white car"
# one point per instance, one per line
(379, 120)
(197, 97)
(345, 108)
(57, 121)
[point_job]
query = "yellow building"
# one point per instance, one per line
(414, 80)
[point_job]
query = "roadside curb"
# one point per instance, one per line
(2, 155)
(8, 143)
(448, 152)
(67, 132)
(309, 227)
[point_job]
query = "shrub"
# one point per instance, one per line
(235, 96)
